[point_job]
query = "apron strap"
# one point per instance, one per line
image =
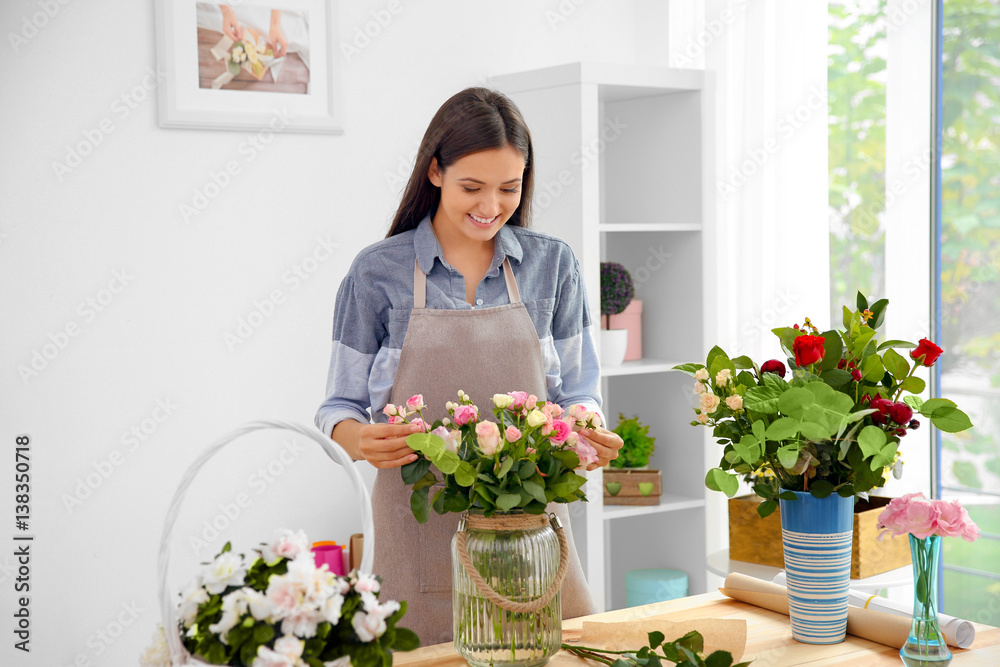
(420, 285)
(508, 274)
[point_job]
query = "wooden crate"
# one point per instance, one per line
(757, 540)
(629, 491)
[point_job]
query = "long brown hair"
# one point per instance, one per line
(475, 119)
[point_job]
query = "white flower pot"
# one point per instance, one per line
(614, 343)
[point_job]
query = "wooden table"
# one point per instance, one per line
(769, 638)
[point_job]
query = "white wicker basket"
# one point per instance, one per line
(180, 655)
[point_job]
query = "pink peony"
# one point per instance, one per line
(415, 402)
(465, 414)
(920, 518)
(488, 437)
(512, 434)
(950, 522)
(560, 431)
(970, 531)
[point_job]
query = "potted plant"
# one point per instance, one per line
(811, 443)
(617, 290)
(627, 479)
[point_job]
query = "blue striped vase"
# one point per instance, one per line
(816, 535)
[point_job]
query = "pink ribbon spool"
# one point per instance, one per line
(332, 555)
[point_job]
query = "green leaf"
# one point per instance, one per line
(418, 504)
(427, 480)
(743, 361)
(833, 350)
(782, 428)
(505, 465)
(878, 312)
(527, 469)
(717, 353)
(656, 638)
(718, 479)
(950, 419)
(788, 455)
(762, 399)
(405, 640)
(895, 343)
(534, 489)
(913, 384)
(871, 439)
(428, 443)
(766, 508)
(862, 301)
(895, 364)
(747, 449)
(930, 405)
(508, 501)
(787, 336)
(836, 377)
(872, 368)
(465, 474)
(411, 472)
(690, 369)
(820, 488)
(915, 402)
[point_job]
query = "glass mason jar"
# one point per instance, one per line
(504, 618)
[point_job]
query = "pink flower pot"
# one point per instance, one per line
(631, 319)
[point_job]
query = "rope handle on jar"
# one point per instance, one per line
(506, 603)
(179, 654)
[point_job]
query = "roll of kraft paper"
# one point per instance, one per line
(877, 626)
(957, 631)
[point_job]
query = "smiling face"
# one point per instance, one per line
(479, 193)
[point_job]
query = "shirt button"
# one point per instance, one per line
(479, 302)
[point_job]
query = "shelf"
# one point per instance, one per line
(639, 366)
(616, 82)
(649, 227)
(668, 503)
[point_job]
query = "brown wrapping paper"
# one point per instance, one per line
(875, 626)
(719, 634)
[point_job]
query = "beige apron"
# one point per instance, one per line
(482, 351)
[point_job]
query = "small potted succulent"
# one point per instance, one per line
(617, 291)
(628, 479)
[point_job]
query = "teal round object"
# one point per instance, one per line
(654, 585)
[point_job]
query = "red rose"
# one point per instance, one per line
(926, 352)
(808, 349)
(901, 413)
(773, 366)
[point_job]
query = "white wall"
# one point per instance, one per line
(159, 340)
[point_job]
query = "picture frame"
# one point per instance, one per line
(264, 80)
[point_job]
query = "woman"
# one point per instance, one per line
(460, 295)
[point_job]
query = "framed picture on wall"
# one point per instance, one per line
(248, 65)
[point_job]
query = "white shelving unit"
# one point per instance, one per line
(621, 173)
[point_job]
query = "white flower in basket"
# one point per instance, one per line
(273, 607)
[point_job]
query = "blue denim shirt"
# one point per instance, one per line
(376, 297)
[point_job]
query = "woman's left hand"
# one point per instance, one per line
(607, 443)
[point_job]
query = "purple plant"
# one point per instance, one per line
(617, 289)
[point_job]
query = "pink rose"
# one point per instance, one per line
(519, 398)
(577, 412)
(421, 423)
(465, 414)
(553, 409)
(395, 419)
(441, 432)
(532, 402)
(390, 410)
(512, 434)
(416, 402)
(560, 431)
(488, 437)
(585, 451)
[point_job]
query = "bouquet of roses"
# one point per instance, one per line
(834, 426)
(524, 460)
(277, 609)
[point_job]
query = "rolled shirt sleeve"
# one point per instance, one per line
(357, 336)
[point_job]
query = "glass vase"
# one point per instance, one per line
(521, 566)
(925, 646)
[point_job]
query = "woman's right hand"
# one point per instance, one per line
(384, 445)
